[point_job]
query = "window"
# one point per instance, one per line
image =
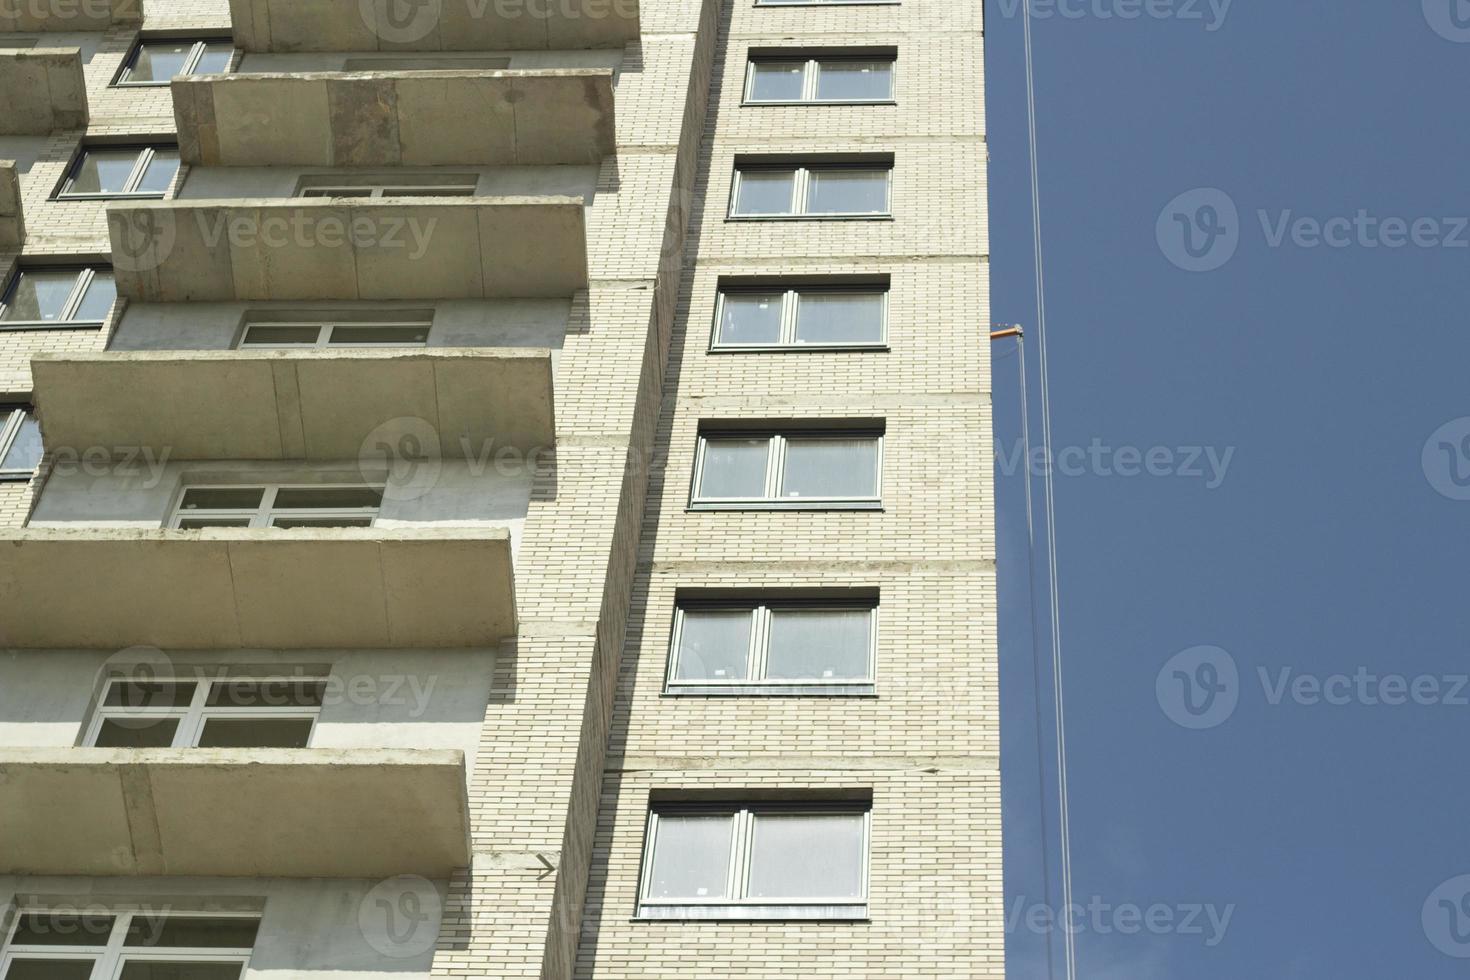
(471, 63)
(817, 646)
(346, 334)
(233, 712)
(821, 468)
(132, 171)
(390, 190)
(128, 945)
(20, 444)
(771, 317)
(41, 297)
(838, 78)
(817, 191)
(156, 61)
(278, 506)
(777, 861)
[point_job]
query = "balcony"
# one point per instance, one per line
(408, 118)
(442, 25)
(12, 218)
(44, 91)
(50, 16)
(235, 588)
(233, 812)
(349, 248)
(316, 405)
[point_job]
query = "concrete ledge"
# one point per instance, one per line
(310, 404)
(66, 16)
(414, 118)
(233, 812)
(228, 588)
(433, 25)
(12, 216)
(44, 91)
(348, 248)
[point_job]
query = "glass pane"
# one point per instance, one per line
(848, 192)
(98, 299)
(772, 81)
(807, 856)
(830, 468)
(133, 693)
(60, 929)
(137, 733)
(158, 61)
(765, 192)
(327, 498)
(103, 172)
(691, 856)
(160, 172)
(200, 523)
(453, 190)
(24, 454)
(197, 932)
(337, 192)
(273, 693)
(177, 970)
(410, 335)
(733, 468)
(257, 336)
(290, 522)
(24, 969)
(255, 733)
(839, 318)
(714, 645)
(40, 295)
(216, 59)
(750, 318)
(855, 81)
(819, 644)
(222, 498)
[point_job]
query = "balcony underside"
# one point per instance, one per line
(346, 248)
(413, 118)
(44, 91)
(435, 25)
(227, 588)
(316, 405)
(233, 812)
(67, 16)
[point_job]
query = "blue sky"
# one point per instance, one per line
(1256, 219)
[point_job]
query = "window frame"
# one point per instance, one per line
(327, 328)
(790, 309)
(262, 516)
(15, 417)
(146, 153)
(736, 904)
(193, 716)
(378, 191)
(780, 440)
(86, 275)
(811, 76)
(801, 191)
(109, 960)
(200, 45)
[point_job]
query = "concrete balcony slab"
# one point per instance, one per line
(349, 248)
(233, 812)
(44, 91)
(432, 25)
(317, 405)
(67, 16)
(12, 215)
(401, 118)
(238, 588)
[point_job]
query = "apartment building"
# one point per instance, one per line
(495, 488)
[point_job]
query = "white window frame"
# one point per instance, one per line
(263, 515)
(85, 276)
(811, 76)
(191, 61)
(801, 192)
(193, 716)
(758, 655)
(327, 328)
(388, 190)
(736, 904)
(141, 163)
(9, 432)
(775, 467)
(108, 961)
(790, 310)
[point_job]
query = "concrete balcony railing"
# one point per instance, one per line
(349, 248)
(237, 588)
(233, 812)
(437, 25)
(44, 91)
(408, 118)
(67, 16)
(315, 405)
